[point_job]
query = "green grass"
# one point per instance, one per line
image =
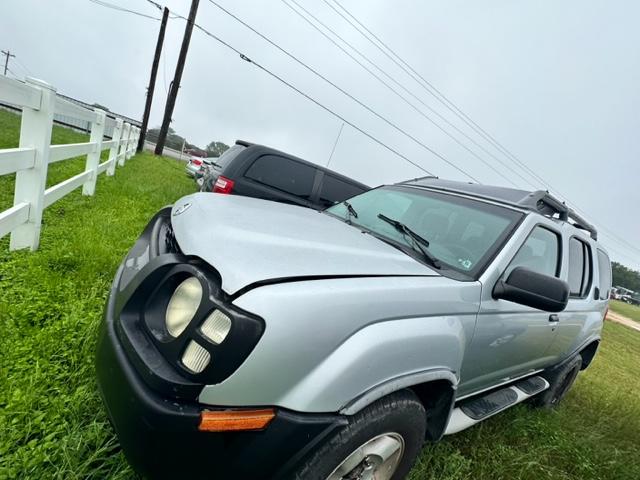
(629, 311)
(52, 423)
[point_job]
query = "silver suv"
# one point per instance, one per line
(248, 339)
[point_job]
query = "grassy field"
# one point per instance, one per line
(52, 424)
(629, 311)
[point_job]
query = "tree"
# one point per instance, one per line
(215, 149)
(625, 277)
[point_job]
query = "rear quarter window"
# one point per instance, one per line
(283, 174)
(227, 157)
(604, 275)
(579, 268)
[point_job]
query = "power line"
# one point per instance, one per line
(308, 97)
(334, 113)
(461, 114)
(22, 66)
(122, 9)
(362, 104)
(402, 97)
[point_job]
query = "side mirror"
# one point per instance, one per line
(533, 289)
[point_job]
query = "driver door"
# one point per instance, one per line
(511, 339)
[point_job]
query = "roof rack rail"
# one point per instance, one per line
(546, 204)
(416, 179)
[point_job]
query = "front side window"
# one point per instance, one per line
(604, 273)
(579, 268)
(540, 253)
(463, 234)
(283, 174)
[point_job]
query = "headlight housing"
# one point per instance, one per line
(182, 326)
(183, 306)
(216, 327)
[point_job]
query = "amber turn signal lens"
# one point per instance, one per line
(235, 420)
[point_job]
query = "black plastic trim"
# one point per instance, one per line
(160, 438)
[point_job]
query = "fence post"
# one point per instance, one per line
(93, 158)
(124, 144)
(35, 132)
(132, 142)
(113, 152)
(135, 143)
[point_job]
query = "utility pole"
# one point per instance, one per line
(152, 79)
(7, 54)
(175, 84)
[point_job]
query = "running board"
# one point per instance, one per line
(474, 410)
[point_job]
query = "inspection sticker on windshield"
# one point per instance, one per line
(465, 263)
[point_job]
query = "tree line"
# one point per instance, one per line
(175, 141)
(625, 277)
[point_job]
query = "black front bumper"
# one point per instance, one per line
(159, 435)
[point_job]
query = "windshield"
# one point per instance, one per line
(461, 233)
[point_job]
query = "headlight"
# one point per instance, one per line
(216, 327)
(195, 357)
(183, 305)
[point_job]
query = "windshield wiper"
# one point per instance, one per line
(350, 211)
(421, 243)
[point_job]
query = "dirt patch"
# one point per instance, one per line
(616, 317)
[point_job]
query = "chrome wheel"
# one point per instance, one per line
(377, 459)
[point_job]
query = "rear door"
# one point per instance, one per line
(511, 339)
(277, 178)
(579, 273)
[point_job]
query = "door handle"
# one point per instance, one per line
(554, 318)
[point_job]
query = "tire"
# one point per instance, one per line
(561, 380)
(399, 417)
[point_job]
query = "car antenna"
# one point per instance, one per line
(335, 144)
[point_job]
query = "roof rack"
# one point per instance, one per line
(546, 204)
(540, 201)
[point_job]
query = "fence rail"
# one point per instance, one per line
(30, 161)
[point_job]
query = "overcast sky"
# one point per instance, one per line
(557, 83)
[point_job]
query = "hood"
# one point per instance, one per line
(248, 240)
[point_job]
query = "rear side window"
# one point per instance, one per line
(540, 253)
(226, 158)
(283, 174)
(579, 268)
(336, 190)
(604, 273)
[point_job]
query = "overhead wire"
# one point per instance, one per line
(428, 86)
(304, 94)
(344, 92)
(402, 97)
(122, 9)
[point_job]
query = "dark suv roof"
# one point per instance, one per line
(258, 171)
(263, 149)
(539, 201)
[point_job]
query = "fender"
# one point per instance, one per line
(338, 344)
(398, 383)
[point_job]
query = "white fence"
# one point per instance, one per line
(35, 153)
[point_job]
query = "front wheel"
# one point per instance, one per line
(380, 442)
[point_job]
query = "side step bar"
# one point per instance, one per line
(474, 410)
